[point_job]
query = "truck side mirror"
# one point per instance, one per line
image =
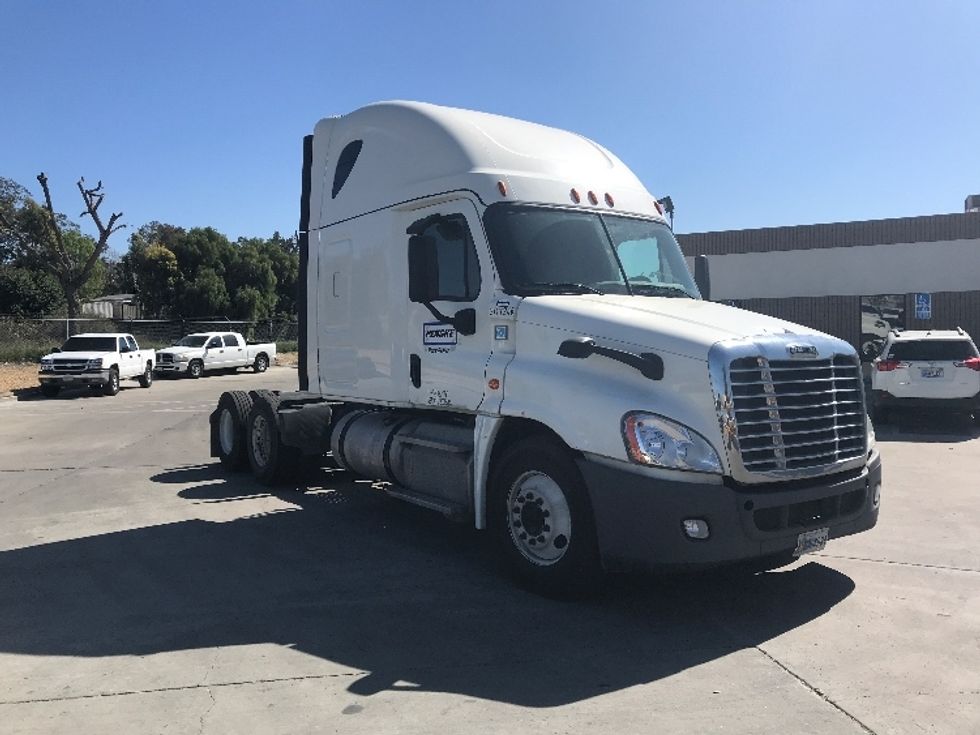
(702, 277)
(423, 270)
(465, 321)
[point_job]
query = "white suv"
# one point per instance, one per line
(934, 369)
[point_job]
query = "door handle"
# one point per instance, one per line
(415, 370)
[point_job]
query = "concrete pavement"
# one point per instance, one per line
(144, 590)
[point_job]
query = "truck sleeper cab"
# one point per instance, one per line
(498, 322)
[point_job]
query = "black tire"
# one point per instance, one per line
(547, 538)
(228, 427)
(111, 386)
(50, 391)
(261, 363)
(195, 369)
(272, 462)
(146, 379)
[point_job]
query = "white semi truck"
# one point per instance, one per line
(497, 321)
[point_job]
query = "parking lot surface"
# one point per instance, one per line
(144, 590)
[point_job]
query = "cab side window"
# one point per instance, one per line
(459, 265)
(132, 344)
(123, 347)
(214, 342)
(231, 340)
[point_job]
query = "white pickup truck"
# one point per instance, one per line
(196, 353)
(96, 361)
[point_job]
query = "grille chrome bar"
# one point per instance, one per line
(784, 416)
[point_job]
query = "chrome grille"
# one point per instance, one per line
(797, 414)
(165, 357)
(64, 365)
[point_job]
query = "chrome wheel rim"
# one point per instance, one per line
(539, 519)
(261, 440)
(226, 431)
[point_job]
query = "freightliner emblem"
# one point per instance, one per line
(801, 352)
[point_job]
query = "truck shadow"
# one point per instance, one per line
(384, 588)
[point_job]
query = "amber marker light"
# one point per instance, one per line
(593, 198)
(502, 188)
(609, 200)
(574, 195)
(493, 384)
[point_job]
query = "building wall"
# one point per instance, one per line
(816, 274)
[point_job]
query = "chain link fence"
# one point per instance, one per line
(25, 340)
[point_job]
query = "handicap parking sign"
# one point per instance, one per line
(923, 306)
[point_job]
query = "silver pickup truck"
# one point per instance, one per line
(203, 351)
(97, 361)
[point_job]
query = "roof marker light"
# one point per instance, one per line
(502, 188)
(575, 197)
(659, 207)
(609, 200)
(593, 199)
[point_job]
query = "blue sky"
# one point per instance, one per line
(748, 114)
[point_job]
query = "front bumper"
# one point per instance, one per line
(170, 367)
(639, 519)
(95, 377)
(884, 399)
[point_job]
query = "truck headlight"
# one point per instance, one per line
(659, 442)
(95, 364)
(183, 358)
(47, 365)
(871, 433)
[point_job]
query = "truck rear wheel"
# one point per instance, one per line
(111, 386)
(542, 519)
(261, 363)
(146, 379)
(228, 429)
(272, 462)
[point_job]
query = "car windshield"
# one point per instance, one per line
(932, 350)
(192, 340)
(540, 250)
(89, 344)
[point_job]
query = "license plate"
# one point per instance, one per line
(811, 541)
(931, 372)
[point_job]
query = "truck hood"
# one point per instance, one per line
(682, 326)
(181, 350)
(77, 355)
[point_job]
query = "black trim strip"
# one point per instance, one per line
(304, 258)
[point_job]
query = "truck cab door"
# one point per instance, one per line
(235, 355)
(447, 366)
(214, 354)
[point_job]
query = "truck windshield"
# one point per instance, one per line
(89, 344)
(192, 340)
(539, 250)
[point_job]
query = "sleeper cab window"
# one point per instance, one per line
(459, 265)
(345, 164)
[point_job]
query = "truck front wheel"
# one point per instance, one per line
(195, 369)
(542, 519)
(111, 386)
(146, 379)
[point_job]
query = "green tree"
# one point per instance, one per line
(157, 276)
(203, 296)
(252, 269)
(27, 292)
(201, 248)
(38, 237)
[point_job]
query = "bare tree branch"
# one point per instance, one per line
(61, 252)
